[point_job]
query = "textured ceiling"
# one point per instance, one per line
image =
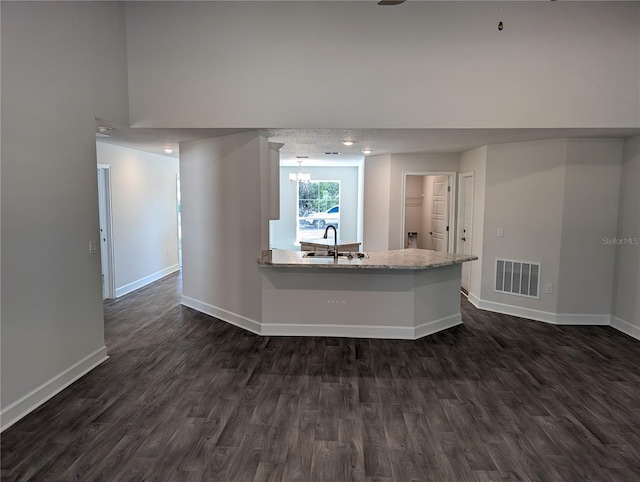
(315, 142)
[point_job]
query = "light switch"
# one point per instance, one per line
(500, 232)
(549, 288)
(93, 246)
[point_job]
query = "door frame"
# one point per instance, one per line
(453, 181)
(104, 199)
(461, 215)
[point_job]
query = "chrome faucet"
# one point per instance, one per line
(335, 239)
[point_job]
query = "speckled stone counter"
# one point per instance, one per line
(404, 294)
(410, 259)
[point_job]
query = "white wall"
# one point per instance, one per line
(555, 200)
(402, 164)
(222, 225)
(377, 172)
(475, 161)
(145, 226)
(524, 195)
(264, 64)
(283, 231)
(63, 64)
(626, 296)
(590, 213)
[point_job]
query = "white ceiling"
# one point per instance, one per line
(314, 142)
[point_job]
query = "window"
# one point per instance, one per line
(318, 207)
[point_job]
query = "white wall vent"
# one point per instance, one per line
(520, 278)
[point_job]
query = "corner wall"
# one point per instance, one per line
(63, 64)
(524, 195)
(222, 226)
(145, 217)
(556, 202)
(589, 215)
(626, 294)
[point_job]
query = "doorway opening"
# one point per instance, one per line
(106, 232)
(428, 214)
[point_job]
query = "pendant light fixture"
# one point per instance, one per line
(300, 176)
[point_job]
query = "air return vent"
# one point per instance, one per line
(520, 278)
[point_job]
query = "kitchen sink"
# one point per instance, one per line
(329, 254)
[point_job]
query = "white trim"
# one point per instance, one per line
(50, 388)
(128, 288)
(625, 327)
(538, 315)
(435, 326)
(582, 319)
(362, 331)
(460, 217)
(108, 207)
(345, 331)
(474, 300)
(235, 319)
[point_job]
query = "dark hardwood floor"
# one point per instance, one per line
(186, 397)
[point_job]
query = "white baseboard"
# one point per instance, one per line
(136, 285)
(435, 326)
(474, 300)
(582, 319)
(544, 316)
(49, 389)
(625, 327)
(228, 316)
(344, 331)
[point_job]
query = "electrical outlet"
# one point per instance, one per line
(548, 288)
(500, 232)
(93, 246)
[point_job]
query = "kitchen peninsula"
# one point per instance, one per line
(403, 294)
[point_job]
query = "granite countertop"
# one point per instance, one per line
(408, 259)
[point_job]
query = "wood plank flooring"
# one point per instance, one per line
(186, 397)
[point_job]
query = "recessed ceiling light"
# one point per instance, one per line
(347, 143)
(367, 151)
(168, 150)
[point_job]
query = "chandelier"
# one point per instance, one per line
(300, 176)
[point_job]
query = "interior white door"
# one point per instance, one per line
(466, 202)
(440, 214)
